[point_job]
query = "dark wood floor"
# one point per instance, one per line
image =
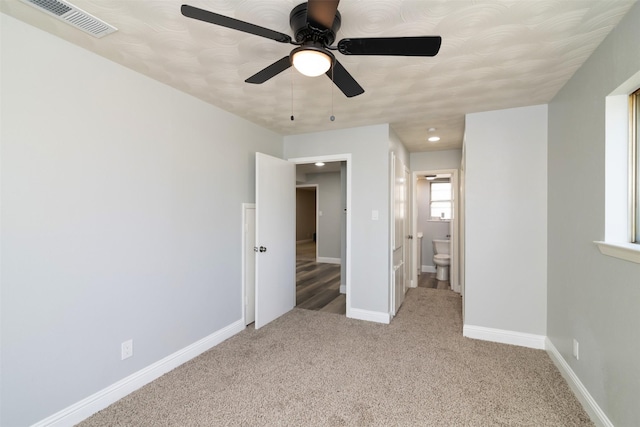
(317, 284)
(429, 280)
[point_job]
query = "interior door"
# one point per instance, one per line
(399, 194)
(275, 238)
(408, 233)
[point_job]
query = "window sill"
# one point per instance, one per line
(624, 251)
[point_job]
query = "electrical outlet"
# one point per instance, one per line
(127, 349)
(576, 349)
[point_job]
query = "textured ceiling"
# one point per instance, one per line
(495, 54)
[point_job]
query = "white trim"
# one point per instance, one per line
(329, 260)
(88, 406)
(370, 316)
(624, 251)
(521, 339)
(428, 268)
(588, 402)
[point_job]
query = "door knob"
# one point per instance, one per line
(410, 236)
(263, 249)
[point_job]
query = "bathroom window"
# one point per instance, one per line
(440, 200)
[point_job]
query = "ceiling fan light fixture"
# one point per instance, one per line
(311, 61)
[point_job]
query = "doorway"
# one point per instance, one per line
(435, 217)
(333, 226)
(275, 246)
(319, 224)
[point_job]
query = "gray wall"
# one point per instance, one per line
(120, 218)
(434, 160)
(592, 298)
(396, 145)
(305, 213)
(506, 219)
(369, 147)
(329, 228)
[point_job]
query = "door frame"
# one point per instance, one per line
(454, 226)
(245, 207)
(317, 209)
(347, 159)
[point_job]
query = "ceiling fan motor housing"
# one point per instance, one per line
(305, 31)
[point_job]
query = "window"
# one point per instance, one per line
(635, 165)
(622, 172)
(440, 200)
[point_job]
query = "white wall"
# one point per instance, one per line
(369, 147)
(506, 219)
(592, 298)
(329, 229)
(396, 146)
(120, 219)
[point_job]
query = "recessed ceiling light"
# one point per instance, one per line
(430, 177)
(434, 138)
(319, 164)
(431, 129)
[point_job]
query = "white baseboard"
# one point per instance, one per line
(370, 316)
(428, 268)
(505, 337)
(88, 406)
(343, 289)
(329, 260)
(588, 402)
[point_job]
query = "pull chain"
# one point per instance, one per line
(292, 118)
(332, 117)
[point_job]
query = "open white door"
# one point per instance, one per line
(275, 238)
(399, 233)
(408, 232)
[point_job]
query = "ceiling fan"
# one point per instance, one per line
(315, 24)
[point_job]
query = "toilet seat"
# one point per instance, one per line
(441, 258)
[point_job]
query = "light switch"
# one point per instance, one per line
(374, 215)
(319, 213)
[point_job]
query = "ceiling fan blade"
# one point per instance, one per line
(234, 24)
(271, 71)
(320, 13)
(396, 46)
(341, 78)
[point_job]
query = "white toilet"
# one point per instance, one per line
(441, 258)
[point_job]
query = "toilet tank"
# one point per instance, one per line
(441, 246)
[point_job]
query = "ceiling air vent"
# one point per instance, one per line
(70, 14)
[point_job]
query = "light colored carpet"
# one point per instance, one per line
(315, 368)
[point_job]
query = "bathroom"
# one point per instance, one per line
(434, 228)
